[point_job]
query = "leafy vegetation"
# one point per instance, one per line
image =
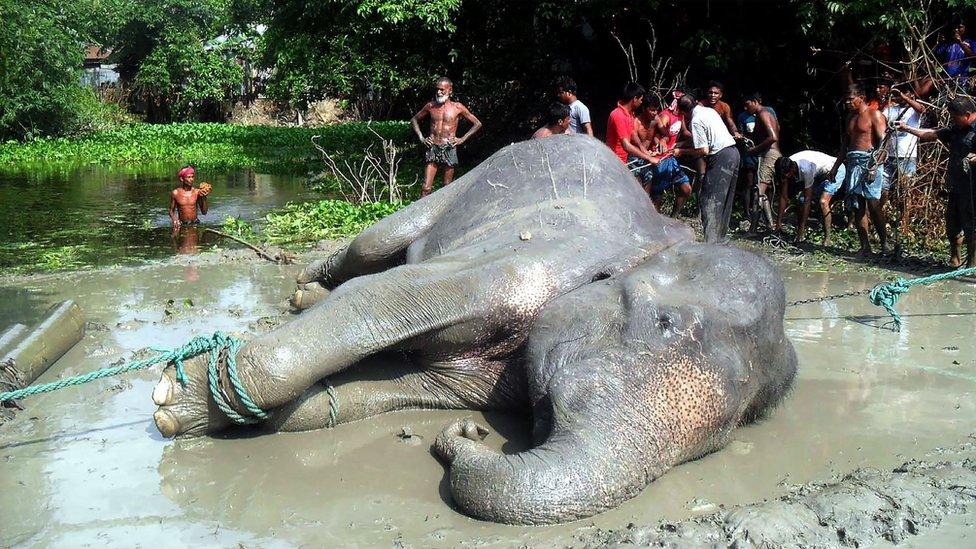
(312, 221)
(213, 146)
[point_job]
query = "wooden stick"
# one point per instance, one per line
(260, 251)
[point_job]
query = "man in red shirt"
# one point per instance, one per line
(620, 126)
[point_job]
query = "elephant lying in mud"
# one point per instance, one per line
(544, 281)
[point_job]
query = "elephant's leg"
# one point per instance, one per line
(380, 246)
(405, 306)
(369, 390)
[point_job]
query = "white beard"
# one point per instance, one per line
(441, 99)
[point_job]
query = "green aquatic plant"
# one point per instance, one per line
(210, 146)
(311, 221)
(238, 227)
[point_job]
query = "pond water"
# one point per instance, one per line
(99, 216)
(86, 466)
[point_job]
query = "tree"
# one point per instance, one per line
(174, 55)
(41, 56)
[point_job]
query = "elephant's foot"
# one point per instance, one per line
(461, 433)
(187, 410)
(307, 294)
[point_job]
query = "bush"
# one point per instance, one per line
(311, 221)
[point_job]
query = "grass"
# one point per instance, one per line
(211, 146)
(325, 219)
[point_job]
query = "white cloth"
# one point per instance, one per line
(813, 166)
(903, 144)
(708, 130)
(579, 114)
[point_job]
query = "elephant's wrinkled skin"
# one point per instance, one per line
(542, 280)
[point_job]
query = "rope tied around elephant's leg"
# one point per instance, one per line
(216, 345)
(228, 347)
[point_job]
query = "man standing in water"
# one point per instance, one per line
(442, 141)
(960, 138)
(185, 199)
(864, 134)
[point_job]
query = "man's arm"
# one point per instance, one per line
(637, 149)
(772, 136)
(699, 144)
(584, 119)
(923, 135)
(729, 122)
(202, 203)
(415, 123)
(174, 215)
(475, 124)
(919, 108)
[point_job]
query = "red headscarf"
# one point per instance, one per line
(186, 172)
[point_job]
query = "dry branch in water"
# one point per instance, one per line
(371, 178)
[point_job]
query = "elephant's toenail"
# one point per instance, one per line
(166, 423)
(163, 392)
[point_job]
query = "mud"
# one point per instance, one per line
(85, 466)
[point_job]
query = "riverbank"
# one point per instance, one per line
(864, 398)
(267, 149)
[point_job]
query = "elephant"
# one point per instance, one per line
(543, 282)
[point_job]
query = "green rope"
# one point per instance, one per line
(887, 294)
(215, 345)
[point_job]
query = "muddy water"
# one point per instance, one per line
(86, 466)
(92, 215)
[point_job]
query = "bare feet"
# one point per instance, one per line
(863, 253)
(955, 262)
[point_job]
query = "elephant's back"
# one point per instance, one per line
(553, 188)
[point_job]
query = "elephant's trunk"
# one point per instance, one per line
(573, 475)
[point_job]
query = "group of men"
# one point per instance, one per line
(663, 143)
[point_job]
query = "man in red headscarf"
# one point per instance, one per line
(186, 198)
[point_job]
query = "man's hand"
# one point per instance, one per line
(205, 189)
(176, 225)
(427, 141)
(957, 37)
(454, 141)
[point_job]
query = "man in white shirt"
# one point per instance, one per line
(812, 168)
(579, 114)
(711, 139)
(902, 146)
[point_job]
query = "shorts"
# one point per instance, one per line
(831, 186)
(858, 163)
(665, 175)
(187, 223)
(766, 166)
(961, 212)
(442, 155)
(895, 166)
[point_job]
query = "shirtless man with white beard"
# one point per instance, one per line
(442, 141)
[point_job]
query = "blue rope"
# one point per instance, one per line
(887, 294)
(213, 345)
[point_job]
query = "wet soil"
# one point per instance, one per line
(85, 466)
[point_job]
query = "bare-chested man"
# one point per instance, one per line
(864, 134)
(557, 121)
(186, 198)
(655, 133)
(442, 141)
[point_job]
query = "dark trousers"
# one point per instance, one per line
(718, 193)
